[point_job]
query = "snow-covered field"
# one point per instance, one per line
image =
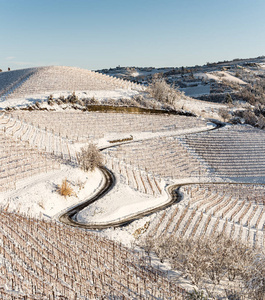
(154, 151)
(220, 76)
(146, 153)
(119, 203)
(37, 196)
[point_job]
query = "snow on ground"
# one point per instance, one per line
(255, 179)
(228, 76)
(126, 234)
(139, 136)
(219, 76)
(201, 108)
(137, 72)
(38, 194)
(100, 95)
(122, 201)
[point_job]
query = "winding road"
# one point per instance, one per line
(70, 217)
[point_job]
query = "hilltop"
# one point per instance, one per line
(81, 88)
(38, 83)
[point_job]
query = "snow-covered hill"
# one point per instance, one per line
(43, 80)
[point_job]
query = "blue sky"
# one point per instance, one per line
(96, 34)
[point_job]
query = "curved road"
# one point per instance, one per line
(69, 217)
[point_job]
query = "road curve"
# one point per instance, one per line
(69, 217)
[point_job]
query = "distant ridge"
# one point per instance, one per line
(32, 81)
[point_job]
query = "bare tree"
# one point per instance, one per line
(250, 117)
(261, 122)
(217, 264)
(89, 157)
(224, 113)
(254, 278)
(163, 92)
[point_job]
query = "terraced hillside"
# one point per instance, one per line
(43, 80)
(236, 210)
(45, 141)
(198, 184)
(19, 160)
(141, 164)
(57, 132)
(83, 126)
(164, 157)
(231, 151)
(45, 260)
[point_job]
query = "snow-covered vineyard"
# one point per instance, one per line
(84, 126)
(20, 160)
(22, 83)
(170, 175)
(46, 260)
(233, 209)
(164, 157)
(232, 151)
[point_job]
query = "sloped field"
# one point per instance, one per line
(232, 151)
(19, 160)
(164, 157)
(43, 80)
(235, 210)
(84, 126)
(46, 260)
(12, 79)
